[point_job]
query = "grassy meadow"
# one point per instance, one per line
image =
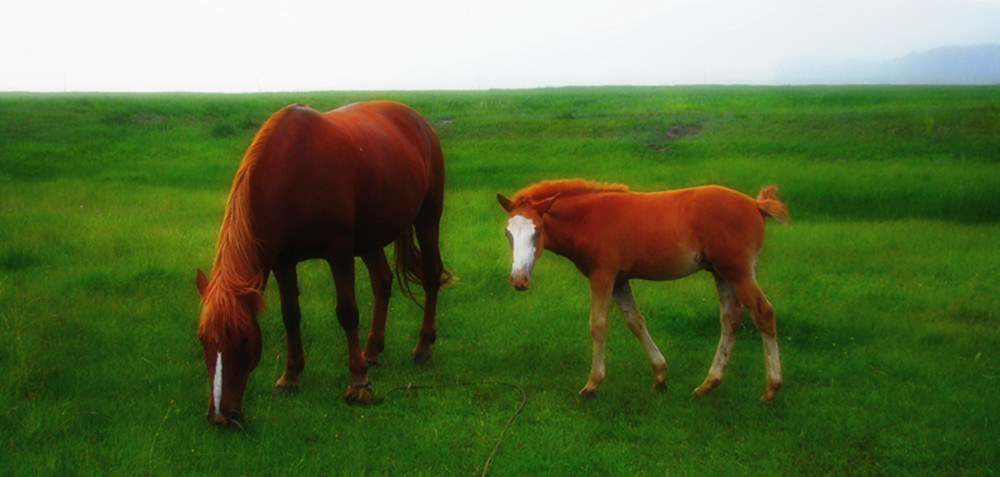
(884, 285)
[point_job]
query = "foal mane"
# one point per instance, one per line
(563, 188)
(234, 295)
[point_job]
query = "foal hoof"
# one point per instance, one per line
(371, 361)
(358, 394)
(587, 393)
(659, 386)
(772, 390)
(769, 395)
(705, 387)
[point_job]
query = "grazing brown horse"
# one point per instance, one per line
(613, 235)
(331, 185)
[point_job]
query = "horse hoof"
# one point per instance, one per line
(421, 357)
(284, 390)
(659, 386)
(586, 393)
(359, 394)
(371, 361)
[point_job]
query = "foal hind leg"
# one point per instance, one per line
(763, 316)
(428, 235)
(288, 289)
(731, 316)
(381, 280)
(637, 323)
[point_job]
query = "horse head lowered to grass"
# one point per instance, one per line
(613, 235)
(331, 185)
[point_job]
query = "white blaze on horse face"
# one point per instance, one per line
(217, 382)
(522, 241)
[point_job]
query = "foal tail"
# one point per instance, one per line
(769, 205)
(410, 266)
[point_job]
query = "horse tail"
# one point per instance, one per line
(410, 266)
(769, 205)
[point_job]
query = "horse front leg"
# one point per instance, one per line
(358, 389)
(288, 289)
(600, 297)
(381, 281)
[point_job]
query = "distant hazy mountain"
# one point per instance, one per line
(978, 64)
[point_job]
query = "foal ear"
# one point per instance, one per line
(201, 282)
(505, 203)
(543, 206)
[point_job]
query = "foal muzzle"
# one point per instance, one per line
(520, 281)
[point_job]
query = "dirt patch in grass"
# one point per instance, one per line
(658, 140)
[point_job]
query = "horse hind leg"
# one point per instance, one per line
(432, 271)
(288, 289)
(637, 324)
(381, 280)
(731, 315)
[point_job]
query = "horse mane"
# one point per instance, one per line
(563, 188)
(234, 295)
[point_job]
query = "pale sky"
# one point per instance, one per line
(298, 45)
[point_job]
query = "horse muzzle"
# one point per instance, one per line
(232, 418)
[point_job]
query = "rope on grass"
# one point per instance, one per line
(503, 432)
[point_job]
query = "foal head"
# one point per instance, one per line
(230, 337)
(525, 232)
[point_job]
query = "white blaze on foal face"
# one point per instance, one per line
(523, 237)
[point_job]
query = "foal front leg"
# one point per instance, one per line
(637, 323)
(600, 297)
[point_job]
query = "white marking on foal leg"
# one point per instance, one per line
(730, 317)
(600, 296)
(217, 382)
(773, 367)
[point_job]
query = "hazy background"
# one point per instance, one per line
(250, 46)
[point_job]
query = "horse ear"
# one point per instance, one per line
(505, 203)
(543, 206)
(201, 282)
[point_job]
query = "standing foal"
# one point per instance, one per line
(613, 235)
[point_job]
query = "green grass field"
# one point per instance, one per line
(884, 285)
